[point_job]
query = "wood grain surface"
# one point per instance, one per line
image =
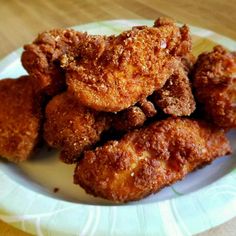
(20, 21)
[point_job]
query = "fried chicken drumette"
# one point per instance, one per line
(20, 119)
(71, 127)
(214, 80)
(126, 68)
(146, 160)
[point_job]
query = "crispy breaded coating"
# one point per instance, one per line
(188, 62)
(129, 119)
(134, 117)
(41, 58)
(71, 127)
(148, 108)
(146, 160)
(214, 80)
(127, 68)
(176, 97)
(20, 119)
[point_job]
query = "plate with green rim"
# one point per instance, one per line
(204, 199)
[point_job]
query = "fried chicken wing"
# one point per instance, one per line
(20, 119)
(146, 160)
(127, 68)
(176, 97)
(41, 58)
(71, 127)
(214, 80)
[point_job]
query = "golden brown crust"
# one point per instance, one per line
(214, 80)
(134, 117)
(127, 68)
(20, 119)
(188, 62)
(148, 108)
(71, 127)
(176, 97)
(41, 58)
(129, 119)
(148, 159)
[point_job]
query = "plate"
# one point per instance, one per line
(204, 199)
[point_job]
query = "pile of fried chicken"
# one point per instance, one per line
(135, 112)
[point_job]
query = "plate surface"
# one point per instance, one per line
(28, 202)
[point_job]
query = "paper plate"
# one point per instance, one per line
(204, 199)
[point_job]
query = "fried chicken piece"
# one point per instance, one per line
(20, 119)
(176, 97)
(127, 68)
(214, 80)
(41, 58)
(146, 160)
(72, 128)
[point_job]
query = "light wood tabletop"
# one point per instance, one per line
(20, 21)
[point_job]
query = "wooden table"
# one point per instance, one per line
(20, 21)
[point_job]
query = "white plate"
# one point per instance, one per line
(28, 202)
